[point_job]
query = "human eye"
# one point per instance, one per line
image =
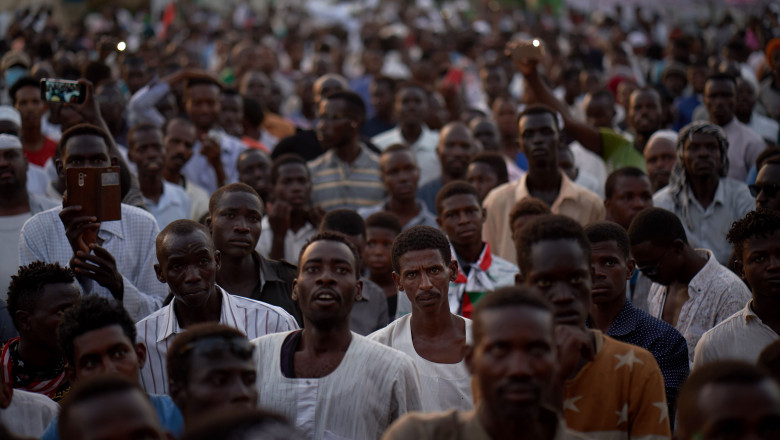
(498, 350)
(576, 279)
(543, 283)
(410, 275)
(434, 270)
(119, 353)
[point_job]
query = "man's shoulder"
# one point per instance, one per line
(384, 139)
(136, 214)
(284, 269)
(503, 265)
(377, 356)
(619, 354)
(153, 320)
(499, 194)
(728, 326)
(663, 197)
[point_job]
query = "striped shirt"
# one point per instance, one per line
(337, 184)
(371, 387)
(157, 331)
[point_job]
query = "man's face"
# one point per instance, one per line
(514, 358)
(377, 255)
(189, 264)
(506, 117)
(179, 139)
(482, 177)
(701, 156)
(125, 415)
(13, 170)
(456, 147)
(645, 112)
(560, 269)
(768, 182)
(697, 76)
(675, 83)
(202, 105)
(611, 269)
(147, 152)
(486, 132)
(660, 157)
(760, 265)
(293, 185)
(327, 285)
(254, 86)
(217, 379)
(631, 195)
(461, 218)
(425, 278)
(107, 350)
(231, 114)
(399, 174)
(740, 411)
(746, 98)
(254, 169)
(599, 111)
(655, 262)
(720, 100)
(539, 139)
(335, 127)
(84, 151)
(382, 98)
(235, 223)
(134, 76)
(411, 105)
(40, 325)
(30, 105)
(494, 81)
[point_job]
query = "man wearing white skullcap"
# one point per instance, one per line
(37, 179)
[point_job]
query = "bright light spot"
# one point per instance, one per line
(121, 46)
(536, 43)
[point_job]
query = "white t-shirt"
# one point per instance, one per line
(10, 231)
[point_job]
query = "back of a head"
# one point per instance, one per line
(345, 221)
(418, 238)
(386, 220)
(658, 226)
(528, 206)
(548, 228)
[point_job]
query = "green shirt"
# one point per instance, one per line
(619, 152)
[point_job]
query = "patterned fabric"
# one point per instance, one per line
(254, 318)
(715, 293)
(619, 394)
(52, 382)
(742, 336)
(667, 345)
(335, 184)
(488, 273)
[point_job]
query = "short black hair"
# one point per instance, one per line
(386, 220)
(609, 185)
(548, 228)
(766, 155)
(505, 297)
(89, 314)
(179, 227)
(229, 189)
(181, 118)
(722, 77)
(355, 104)
(25, 81)
(286, 159)
(528, 206)
(658, 226)
(253, 112)
(140, 127)
(454, 188)
(332, 236)
(178, 357)
(602, 231)
(755, 224)
(201, 80)
(539, 109)
(495, 161)
(27, 285)
(345, 221)
(83, 130)
(418, 238)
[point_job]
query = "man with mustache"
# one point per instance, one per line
(660, 156)
(431, 335)
(166, 201)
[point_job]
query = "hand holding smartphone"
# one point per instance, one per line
(526, 50)
(62, 91)
(97, 191)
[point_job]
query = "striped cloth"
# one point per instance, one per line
(52, 383)
(336, 184)
(157, 331)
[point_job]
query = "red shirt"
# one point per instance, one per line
(41, 156)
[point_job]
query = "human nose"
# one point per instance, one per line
(240, 224)
(425, 281)
(560, 294)
(240, 392)
(191, 274)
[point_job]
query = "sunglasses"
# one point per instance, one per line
(770, 189)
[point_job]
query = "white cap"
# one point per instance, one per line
(9, 141)
(8, 113)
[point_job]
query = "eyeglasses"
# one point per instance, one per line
(770, 189)
(652, 271)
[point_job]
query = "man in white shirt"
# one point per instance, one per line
(113, 259)
(431, 335)
(328, 381)
(188, 264)
(166, 201)
(179, 140)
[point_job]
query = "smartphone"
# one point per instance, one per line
(97, 190)
(527, 49)
(62, 90)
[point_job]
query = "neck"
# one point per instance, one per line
(349, 152)
(447, 177)
(546, 177)
(768, 309)
(469, 251)
(32, 134)
(309, 112)
(743, 117)
(317, 340)
(151, 185)
(403, 206)
(640, 140)
(17, 201)
(603, 315)
(385, 117)
(252, 132)
(704, 188)
(209, 312)
(526, 425)
(38, 355)
(411, 131)
(433, 323)
(692, 264)
(234, 268)
(173, 176)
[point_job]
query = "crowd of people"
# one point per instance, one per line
(393, 220)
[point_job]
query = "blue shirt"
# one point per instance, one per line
(169, 414)
(667, 345)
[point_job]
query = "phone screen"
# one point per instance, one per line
(62, 90)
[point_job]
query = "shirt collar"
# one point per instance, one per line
(625, 321)
(568, 190)
(113, 227)
(484, 262)
(229, 315)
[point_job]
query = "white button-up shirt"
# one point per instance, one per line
(130, 241)
(254, 318)
(174, 204)
(293, 241)
(424, 149)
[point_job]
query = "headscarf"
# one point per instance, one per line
(678, 181)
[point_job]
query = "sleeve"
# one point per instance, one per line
(406, 390)
(142, 103)
(31, 244)
(704, 353)
(138, 304)
(648, 407)
(145, 293)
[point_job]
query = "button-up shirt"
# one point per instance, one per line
(424, 217)
(253, 318)
(174, 204)
(337, 184)
(744, 147)
(740, 337)
(293, 240)
(369, 314)
(200, 171)
(573, 201)
(667, 345)
(707, 227)
(130, 241)
(485, 275)
(424, 149)
(714, 294)
(275, 285)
